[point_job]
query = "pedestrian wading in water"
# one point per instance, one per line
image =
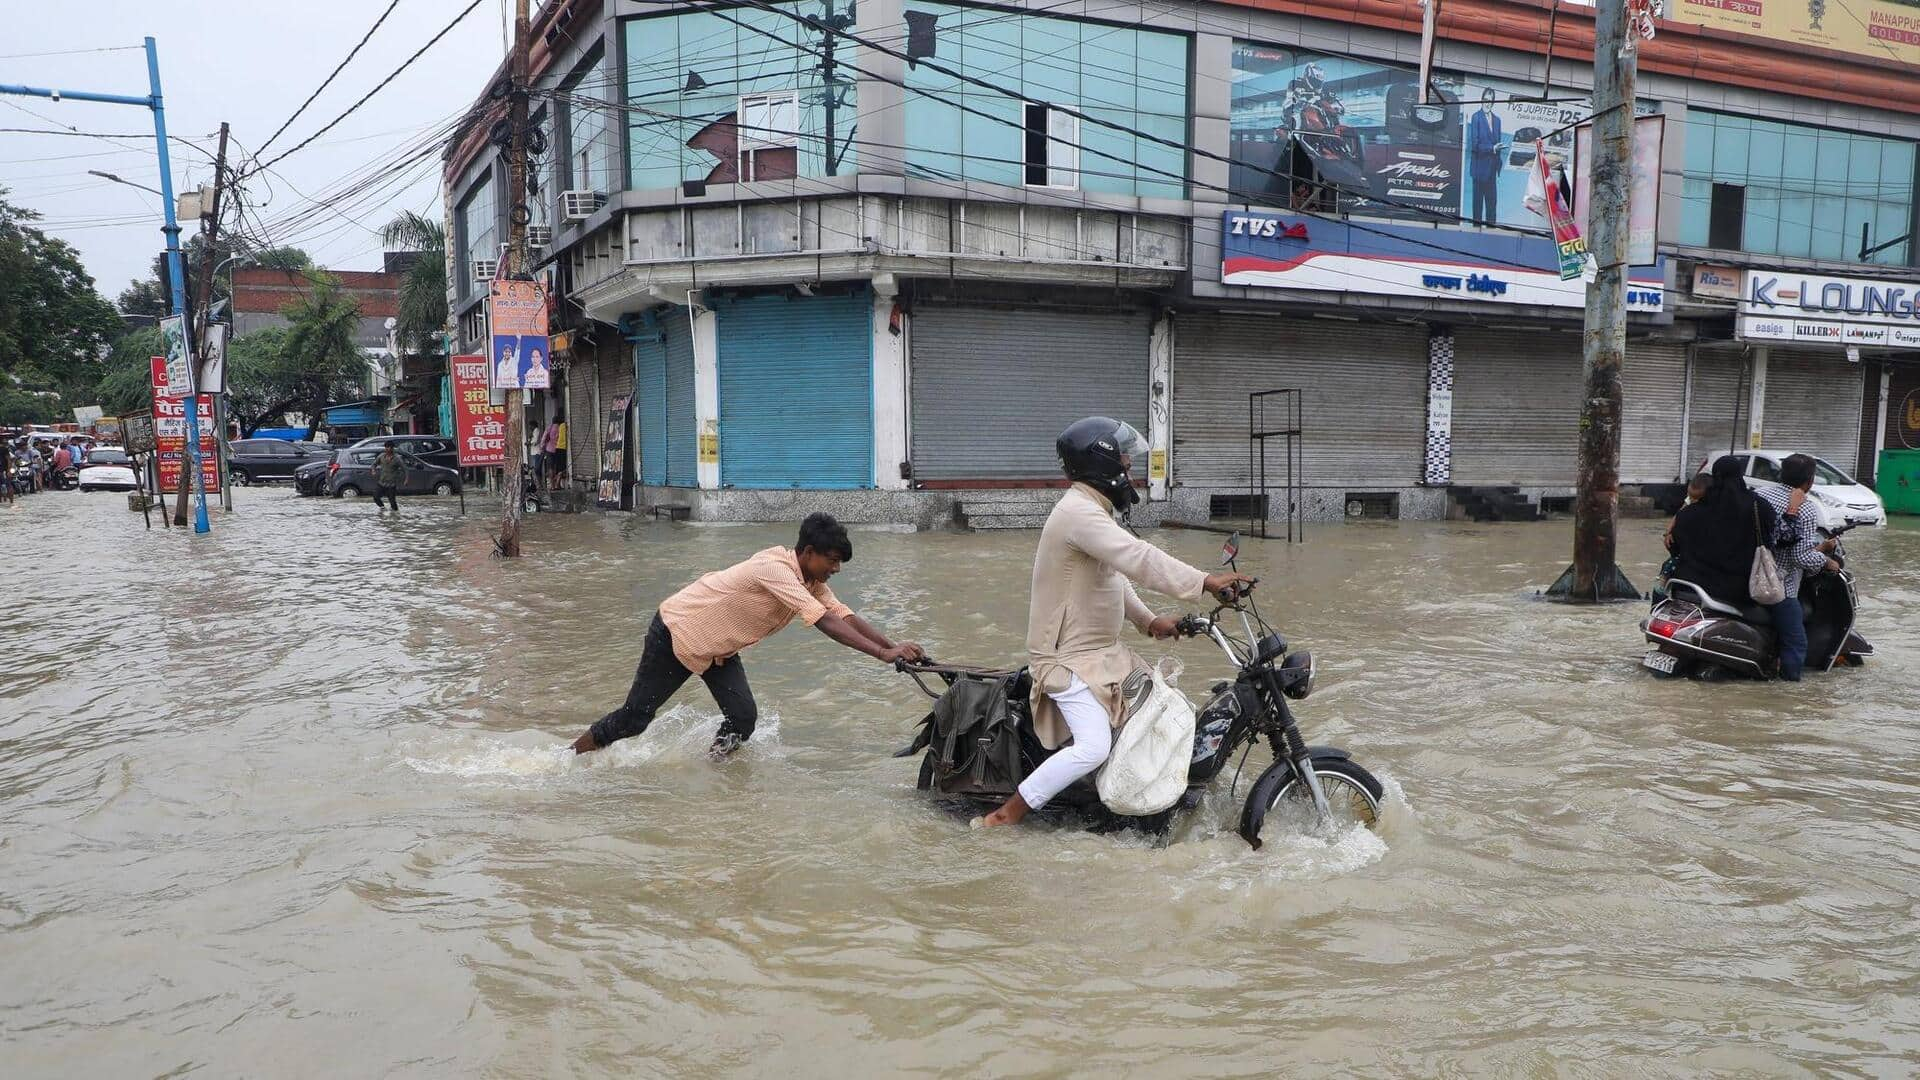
(702, 629)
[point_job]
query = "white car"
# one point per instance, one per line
(1842, 499)
(108, 468)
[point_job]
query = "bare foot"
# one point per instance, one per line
(1010, 813)
(585, 743)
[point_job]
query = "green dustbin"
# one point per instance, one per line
(1898, 481)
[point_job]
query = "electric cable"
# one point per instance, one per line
(328, 81)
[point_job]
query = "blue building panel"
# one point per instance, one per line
(796, 391)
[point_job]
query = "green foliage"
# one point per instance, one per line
(147, 296)
(54, 326)
(422, 317)
(321, 361)
(126, 386)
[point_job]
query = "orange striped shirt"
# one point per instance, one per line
(728, 610)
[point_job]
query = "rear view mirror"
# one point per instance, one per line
(1230, 550)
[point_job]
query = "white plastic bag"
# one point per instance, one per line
(1147, 770)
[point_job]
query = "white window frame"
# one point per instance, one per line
(765, 122)
(1062, 148)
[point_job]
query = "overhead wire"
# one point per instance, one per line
(328, 81)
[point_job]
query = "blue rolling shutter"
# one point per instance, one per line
(796, 392)
(682, 443)
(650, 402)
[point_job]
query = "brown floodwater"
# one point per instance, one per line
(293, 800)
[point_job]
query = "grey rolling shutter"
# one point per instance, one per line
(1364, 398)
(583, 427)
(1653, 389)
(1718, 412)
(993, 388)
(1516, 407)
(1813, 406)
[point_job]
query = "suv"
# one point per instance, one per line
(351, 473)
(268, 459)
(433, 449)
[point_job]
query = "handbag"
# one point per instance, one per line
(1763, 581)
(1146, 772)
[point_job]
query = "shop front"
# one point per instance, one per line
(795, 392)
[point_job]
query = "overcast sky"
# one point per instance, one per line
(250, 64)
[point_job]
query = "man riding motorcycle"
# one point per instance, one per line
(1083, 587)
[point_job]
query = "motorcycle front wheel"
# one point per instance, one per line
(1353, 796)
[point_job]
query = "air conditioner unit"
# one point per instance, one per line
(484, 270)
(539, 236)
(580, 205)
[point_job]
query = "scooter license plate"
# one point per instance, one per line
(1660, 662)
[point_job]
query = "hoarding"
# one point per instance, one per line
(479, 428)
(521, 355)
(1869, 29)
(1643, 199)
(170, 432)
(1819, 309)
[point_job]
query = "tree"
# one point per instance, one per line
(280, 258)
(126, 386)
(54, 325)
(263, 383)
(149, 296)
(322, 360)
(422, 317)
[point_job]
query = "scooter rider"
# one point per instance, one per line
(1800, 551)
(1083, 577)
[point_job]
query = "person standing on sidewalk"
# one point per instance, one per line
(702, 629)
(1799, 551)
(389, 472)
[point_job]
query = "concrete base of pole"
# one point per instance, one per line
(1610, 585)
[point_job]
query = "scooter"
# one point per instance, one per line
(980, 758)
(1694, 634)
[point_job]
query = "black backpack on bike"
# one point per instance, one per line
(979, 736)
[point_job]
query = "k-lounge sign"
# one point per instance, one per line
(1815, 309)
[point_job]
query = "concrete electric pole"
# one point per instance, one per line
(508, 544)
(197, 335)
(1595, 574)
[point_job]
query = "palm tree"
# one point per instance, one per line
(423, 288)
(319, 346)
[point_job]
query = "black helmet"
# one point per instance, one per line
(1094, 452)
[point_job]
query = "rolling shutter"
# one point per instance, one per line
(1516, 407)
(682, 440)
(1718, 408)
(1363, 402)
(583, 421)
(1653, 389)
(796, 392)
(650, 401)
(1813, 406)
(993, 388)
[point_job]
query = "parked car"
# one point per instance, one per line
(432, 449)
(311, 478)
(351, 473)
(254, 460)
(1842, 499)
(108, 468)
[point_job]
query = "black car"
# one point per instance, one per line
(311, 478)
(351, 473)
(432, 449)
(254, 460)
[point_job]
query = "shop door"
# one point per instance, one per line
(1653, 392)
(1813, 406)
(650, 404)
(1717, 407)
(993, 388)
(796, 392)
(682, 441)
(1516, 407)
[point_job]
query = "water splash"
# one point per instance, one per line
(681, 734)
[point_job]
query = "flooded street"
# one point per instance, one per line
(294, 800)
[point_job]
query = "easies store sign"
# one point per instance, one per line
(1815, 309)
(1285, 251)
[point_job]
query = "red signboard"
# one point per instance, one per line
(170, 433)
(479, 428)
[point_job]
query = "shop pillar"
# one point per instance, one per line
(1159, 406)
(706, 390)
(1757, 398)
(890, 446)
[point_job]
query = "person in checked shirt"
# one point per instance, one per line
(702, 629)
(1797, 550)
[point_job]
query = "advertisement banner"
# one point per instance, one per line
(175, 373)
(1643, 201)
(1280, 251)
(1870, 29)
(611, 492)
(1820, 309)
(479, 428)
(170, 432)
(213, 360)
(521, 354)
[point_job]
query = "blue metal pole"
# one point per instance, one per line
(176, 269)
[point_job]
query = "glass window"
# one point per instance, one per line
(1825, 475)
(479, 231)
(1765, 469)
(593, 137)
(1809, 191)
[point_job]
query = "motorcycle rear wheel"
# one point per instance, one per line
(1353, 795)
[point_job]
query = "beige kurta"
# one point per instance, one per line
(1082, 596)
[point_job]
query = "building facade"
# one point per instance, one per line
(876, 260)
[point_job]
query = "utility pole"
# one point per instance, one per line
(197, 339)
(831, 26)
(1595, 574)
(508, 545)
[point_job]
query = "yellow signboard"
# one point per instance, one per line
(1879, 29)
(710, 444)
(1157, 464)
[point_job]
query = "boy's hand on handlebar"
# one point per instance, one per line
(1164, 627)
(909, 652)
(1228, 587)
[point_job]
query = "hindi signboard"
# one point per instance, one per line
(479, 427)
(521, 354)
(170, 432)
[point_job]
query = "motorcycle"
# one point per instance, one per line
(1696, 635)
(982, 767)
(64, 479)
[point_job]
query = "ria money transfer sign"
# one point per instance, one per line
(521, 355)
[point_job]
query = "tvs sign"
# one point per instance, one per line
(1816, 309)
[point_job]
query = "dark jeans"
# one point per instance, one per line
(660, 674)
(1486, 200)
(390, 494)
(1789, 624)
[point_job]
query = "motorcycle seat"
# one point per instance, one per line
(1746, 612)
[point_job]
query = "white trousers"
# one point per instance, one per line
(1092, 740)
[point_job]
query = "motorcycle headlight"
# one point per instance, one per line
(1296, 675)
